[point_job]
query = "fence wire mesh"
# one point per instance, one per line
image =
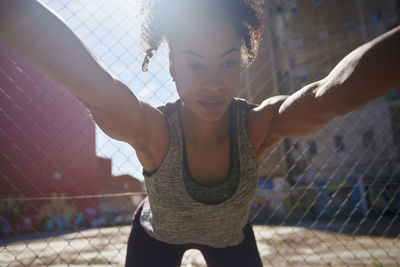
(68, 192)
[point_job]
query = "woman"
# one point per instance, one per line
(200, 154)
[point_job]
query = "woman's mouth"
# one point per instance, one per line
(212, 104)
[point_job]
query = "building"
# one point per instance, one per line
(304, 41)
(311, 37)
(116, 204)
(50, 174)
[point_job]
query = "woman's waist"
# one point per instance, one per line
(213, 228)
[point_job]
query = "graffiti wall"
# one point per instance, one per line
(335, 198)
(16, 216)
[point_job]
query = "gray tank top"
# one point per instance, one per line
(179, 210)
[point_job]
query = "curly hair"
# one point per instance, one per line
(161, 18)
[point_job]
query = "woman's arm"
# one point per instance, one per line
(368, 72)
(42, 38)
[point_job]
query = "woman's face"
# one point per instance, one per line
(205, 63)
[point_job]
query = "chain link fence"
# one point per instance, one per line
(68, 192)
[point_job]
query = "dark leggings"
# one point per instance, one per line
(145, 251)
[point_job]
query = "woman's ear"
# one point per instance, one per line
(171, 65)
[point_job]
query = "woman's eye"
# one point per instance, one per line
(228, 64)
(194, 66)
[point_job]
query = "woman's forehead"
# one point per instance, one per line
(208, 36)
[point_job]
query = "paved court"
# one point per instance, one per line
(278, 245)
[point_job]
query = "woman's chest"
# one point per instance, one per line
(209, 164)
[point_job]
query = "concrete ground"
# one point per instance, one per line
(278, 246)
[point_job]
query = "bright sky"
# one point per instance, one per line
(111, 30)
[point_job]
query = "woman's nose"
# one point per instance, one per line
(213, 82)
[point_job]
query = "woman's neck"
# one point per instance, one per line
(200, 132)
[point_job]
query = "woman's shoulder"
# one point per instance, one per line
(169, 108)
(260, 123)
(244, 104)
